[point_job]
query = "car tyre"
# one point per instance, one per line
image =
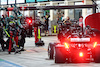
(97, 54)
(59, 56)
(51, 51)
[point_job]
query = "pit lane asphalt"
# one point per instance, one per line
(37, 56)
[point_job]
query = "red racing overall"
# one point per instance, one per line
(13, 36)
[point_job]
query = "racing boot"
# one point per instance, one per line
(2, 45)
(9, 52)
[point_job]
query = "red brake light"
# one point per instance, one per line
(81, 54)
(66, 45)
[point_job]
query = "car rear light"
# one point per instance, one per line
(81, 54)
(66, 45)
(95, 44)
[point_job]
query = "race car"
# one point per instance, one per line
(68, 29)
(76, 47)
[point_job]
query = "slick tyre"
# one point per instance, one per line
(59, 56)
(51, 51)
(97, 54)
